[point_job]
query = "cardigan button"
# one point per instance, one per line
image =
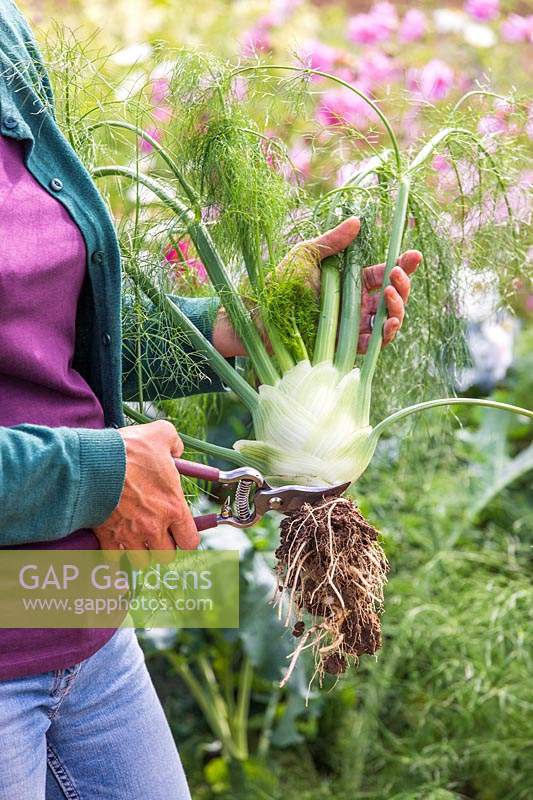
(97, 257)
(10, 122)
(106, 339)
(56, 185)
(114, 425)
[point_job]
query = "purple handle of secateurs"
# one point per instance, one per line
(206, 473)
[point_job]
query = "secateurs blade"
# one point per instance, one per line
(253, 496)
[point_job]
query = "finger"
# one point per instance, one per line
(177, 447)
(373, 276)
(184, 532)
(171, 437)
(394, 304)
(182, 527)
(401, 282)
(390, 329)
(410, 261)
(337, 239)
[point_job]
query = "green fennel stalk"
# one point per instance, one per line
(312, 410)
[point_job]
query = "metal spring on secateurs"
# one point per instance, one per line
(242, 498)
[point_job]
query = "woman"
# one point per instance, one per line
(79, 717)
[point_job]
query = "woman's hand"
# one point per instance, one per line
(330, 243)
(152, 513)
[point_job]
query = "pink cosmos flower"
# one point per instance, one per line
(299, 166)
(345, 73)
(301, 154)
(363, 30)
(413, 26)
(180, 257)
(256, 40)
(484, 10)
(162, 113)
(342, 107)
(432, 82)
(520, 201)
(155, 133)
(385, 15)
(316, 55)
(376, 67)
(240, 88)
(279, 12)
(412, 126)
(517, 29)
(160, 90)
(468, 176)
(441, 164)
(491, 125)
(503, 107)
(347, 171)
(374, 27)
(529, 123)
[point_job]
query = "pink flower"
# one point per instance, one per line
(347, 171)
(519, 200)
(317, 55)
(441, 164)
(503, 107)
(155, 133)
(363, 30)
(432, 82)
(529, 123)
(413, 27)
(299, 165)
(301, 155)
(376, 67)
(240, 88)
(160, 90)
(517, 29)
(255, 40)
(385, 15)
(491, 125)
(412, 127)
(484, 10)
(184, 265)
(279, 12)
(162, 113)
(341, 107)
(374, 27)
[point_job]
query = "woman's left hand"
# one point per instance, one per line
(330, 243)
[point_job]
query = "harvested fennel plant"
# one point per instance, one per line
(318, 408)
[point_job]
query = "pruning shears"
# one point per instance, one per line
(253, 496)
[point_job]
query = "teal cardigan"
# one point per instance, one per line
(57, 480)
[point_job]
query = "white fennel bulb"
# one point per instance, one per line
(308, 428)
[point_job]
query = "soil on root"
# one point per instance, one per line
(333, 570)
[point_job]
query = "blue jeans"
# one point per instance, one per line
(94, 731)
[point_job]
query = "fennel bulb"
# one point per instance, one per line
(309, 429)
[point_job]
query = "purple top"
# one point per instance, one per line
(42, 268)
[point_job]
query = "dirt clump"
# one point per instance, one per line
(332, 569)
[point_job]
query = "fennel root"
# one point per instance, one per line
(332, 568)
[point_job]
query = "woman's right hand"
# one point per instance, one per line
(152, 513)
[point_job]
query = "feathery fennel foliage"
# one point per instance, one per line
(225, 186)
